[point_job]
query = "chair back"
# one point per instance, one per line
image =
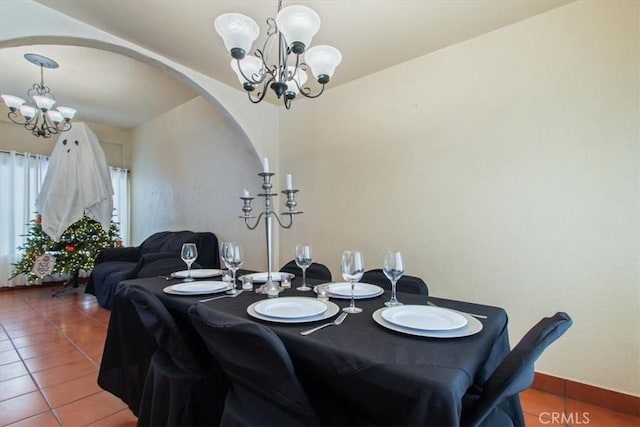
(264, 389)
(178, 389)
(157, 320)
(314, 271)
(515, 373)
(409, 284)
(171, 241)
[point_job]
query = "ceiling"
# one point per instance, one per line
(110, 89)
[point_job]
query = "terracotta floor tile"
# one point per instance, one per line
(93, 333)
(62, 320)
(73, 390)
(120, 419)
(24, 406)
(92, 347)
(34, 321)
(96, 357)
(45, 349)
(17, 311)
(19, 333)
(536, 402)
(580, 414)
(45, 419)
(64, 373)
(8, 357)
(89, 410)
(16, 386)
(531, 420)
(40, 363)
(51, 336)
(12, 370)
(102, 317)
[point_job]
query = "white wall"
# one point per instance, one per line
(505, 168)
(190, 167)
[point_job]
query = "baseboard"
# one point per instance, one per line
(604, 398)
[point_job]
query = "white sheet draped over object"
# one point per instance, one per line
(77, 181)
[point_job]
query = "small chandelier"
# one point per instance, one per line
(294, 27)
(41, 120)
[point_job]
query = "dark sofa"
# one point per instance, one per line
(158, 255)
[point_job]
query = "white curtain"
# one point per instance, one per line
(120, 182)
(21, 176)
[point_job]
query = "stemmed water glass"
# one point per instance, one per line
(232, 257)
(189, 254)
(393, 269)
(352, 271)
(303, 260)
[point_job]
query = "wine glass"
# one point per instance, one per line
(393, 269)
(189, 254)
(303, 260)
(352, 271)
(232, 257)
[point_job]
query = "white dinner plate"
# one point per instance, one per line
(424, 318)
(332, 310)
(342, 290)
(197, 288)
(276, 276)
(472, 327)
(198, 273)
(290, 307)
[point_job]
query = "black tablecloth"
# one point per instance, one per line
(369, 373)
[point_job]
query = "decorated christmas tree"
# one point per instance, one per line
(76, 250)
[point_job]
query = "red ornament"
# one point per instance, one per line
(70, 248)
(118, 243)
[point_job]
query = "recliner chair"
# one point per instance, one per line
(159, 254)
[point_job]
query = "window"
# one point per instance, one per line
(21, 177)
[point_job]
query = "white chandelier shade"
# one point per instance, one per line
(238, 31)
(323, 60)
(298, 24)
(294, 27)
(42, 120)
(248, 70)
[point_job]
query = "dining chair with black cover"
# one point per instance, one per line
(175, 383)
(264, 389)
(513, 375)
(409, 284)
(314, 271)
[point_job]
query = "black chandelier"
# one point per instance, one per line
(294, 27)
(42, 120)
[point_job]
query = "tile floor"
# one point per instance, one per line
(50, 350)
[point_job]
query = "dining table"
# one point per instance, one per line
(368, 372)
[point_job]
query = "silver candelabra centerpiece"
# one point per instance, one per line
(271, 287)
